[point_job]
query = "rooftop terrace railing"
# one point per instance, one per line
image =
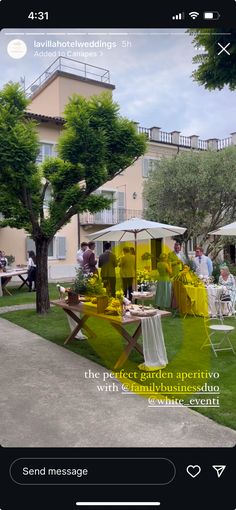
(191, 142)
(71, 66)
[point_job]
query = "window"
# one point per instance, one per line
(100, 247)
(106, 216)
(56, 247)
(149, 165)
(192, 243)
(46, 150)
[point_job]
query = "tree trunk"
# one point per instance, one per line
(42, 295)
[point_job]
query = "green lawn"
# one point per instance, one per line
(23, 296)
(183, 339)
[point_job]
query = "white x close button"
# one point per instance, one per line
(223, 49)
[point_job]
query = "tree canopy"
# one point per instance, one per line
(215, 71)
(196, 190)
(95, 146)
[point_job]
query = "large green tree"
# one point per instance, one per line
(214, 70)
(95, 146)
(196, 190)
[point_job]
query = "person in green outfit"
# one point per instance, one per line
(127, 272)
(164, 286)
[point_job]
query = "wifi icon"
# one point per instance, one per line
(194, 14)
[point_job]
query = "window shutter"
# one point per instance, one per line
(121, 199)
(40, 154)
(30, 245)
(98, 248)
(145, 167)
(120, 202)
(61, 248)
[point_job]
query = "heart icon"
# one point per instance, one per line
(193, 471)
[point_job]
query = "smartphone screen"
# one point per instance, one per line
(117, 258)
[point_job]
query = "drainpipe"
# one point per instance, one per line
(78, 226)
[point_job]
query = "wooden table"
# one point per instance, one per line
(10, 274)
(118, 323)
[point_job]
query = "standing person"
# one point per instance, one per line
(3, 259)
(108, 262)
(127, 272)
(227, 280)
(164, 287)
(202, 264)
(89, 261)
(177, 259)
(80, 253)
(3, 264)
(31, 270)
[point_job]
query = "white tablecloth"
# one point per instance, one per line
(154, 350)
(214, 293)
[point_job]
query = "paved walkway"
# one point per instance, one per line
(45, 401)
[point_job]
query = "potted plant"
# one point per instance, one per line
(10, 259)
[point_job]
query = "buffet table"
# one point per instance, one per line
(199, 300)
(117, 322)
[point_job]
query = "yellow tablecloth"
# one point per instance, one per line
(200, 297)
(201, 300)
(191, 299)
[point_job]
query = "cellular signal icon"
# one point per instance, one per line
(179, 16)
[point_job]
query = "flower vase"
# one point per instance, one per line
(102, 303)
(73, 298)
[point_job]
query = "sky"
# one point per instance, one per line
(151, 70)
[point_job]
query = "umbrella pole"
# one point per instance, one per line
(135, 260)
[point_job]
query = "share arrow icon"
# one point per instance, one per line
(219, 470)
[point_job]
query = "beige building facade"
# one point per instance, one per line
(49, 95)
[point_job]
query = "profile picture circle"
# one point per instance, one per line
(16, 48)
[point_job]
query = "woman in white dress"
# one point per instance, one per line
(227, 280)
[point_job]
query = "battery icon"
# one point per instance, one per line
(211, 15)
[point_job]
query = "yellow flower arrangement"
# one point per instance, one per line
(143, 276)
(116, 304)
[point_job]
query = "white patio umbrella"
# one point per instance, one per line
(227, 230)
(136, 229)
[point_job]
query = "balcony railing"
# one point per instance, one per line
(202, 145)
(71, 66)
(109, 216)
(156, 135)
(165, 137)
(225, 142)
(185, 141)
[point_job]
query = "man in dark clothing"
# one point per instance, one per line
(89, 261)
(107, 262)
